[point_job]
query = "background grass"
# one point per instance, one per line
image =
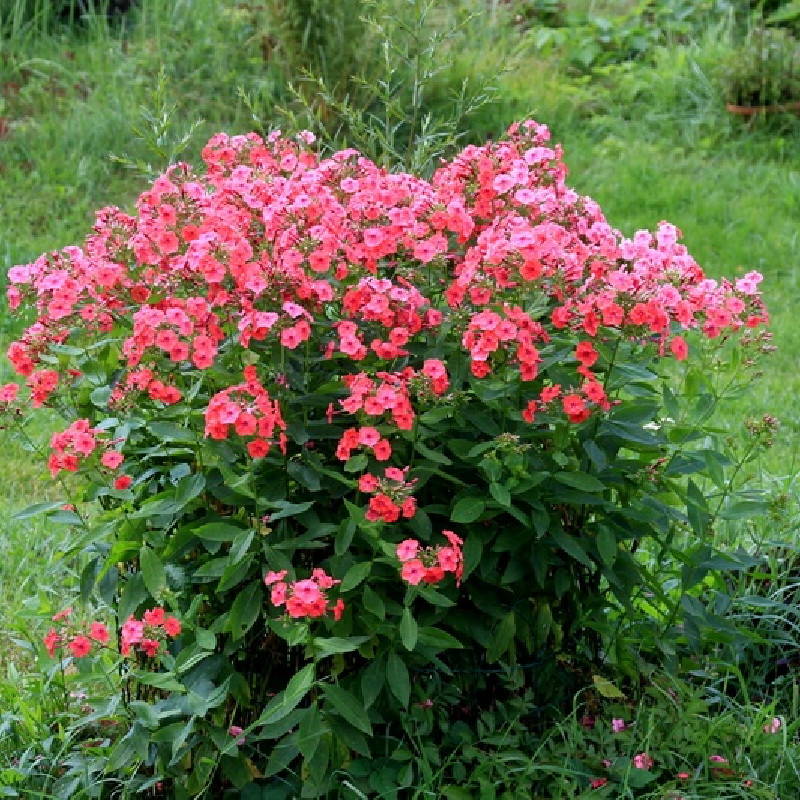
(648, 138)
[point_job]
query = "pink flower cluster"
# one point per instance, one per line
(77, 444)
(249, 410)
(431, 564)
(391, 496)
(271, 235)
(147, 634)
(78, 640)
(304, 598)
(390, 393)
(8, 394)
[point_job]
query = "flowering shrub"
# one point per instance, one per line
(291, 377)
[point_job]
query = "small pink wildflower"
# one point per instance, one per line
(236, 730)
(773, 726)
(642, 761)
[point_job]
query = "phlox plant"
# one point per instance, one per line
(356, 442)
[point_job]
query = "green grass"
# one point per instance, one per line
(648, 141)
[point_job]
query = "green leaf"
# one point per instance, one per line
(205, 639)
(502, 638)
(332, 645)
(436, 415)
(286, 509)
(399, 681)
(218, 531)
(606, 688)
(580, 480)
(165, 681)
(468, 509)
(36, 509)
(63, 517)
(596, 455)
(408, 630)
(356, 463)
(155, 579)
(190, 657)
(373, 679)
(133, 595)
(347, 706)
(500, 493)
(145, 713)
(240, 546)
(697, 509)
(310, 732)
(437, 639)
(570, 545)
(100, 396)
(245, 610)
(286, 701)
(234, 574)
(188, 488)
(344, 537)
(123, 754)
(304, 475)
(607, 546)
(432, 455)
(170, 432)
(355, 575)
(744, 509)
(373, 603)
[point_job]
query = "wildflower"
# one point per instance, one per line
(773, 726)
(618, 725)
(237, 731)
(642, 761)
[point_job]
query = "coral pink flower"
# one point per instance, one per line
(154, 617)
(150, 647)
(278, 594)
(8, 392)
(51, 641)
(98, 632)
(80, 646)
(274, 577)
(172, 626)
(112, 459)
(407, 549)
(679, 348)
